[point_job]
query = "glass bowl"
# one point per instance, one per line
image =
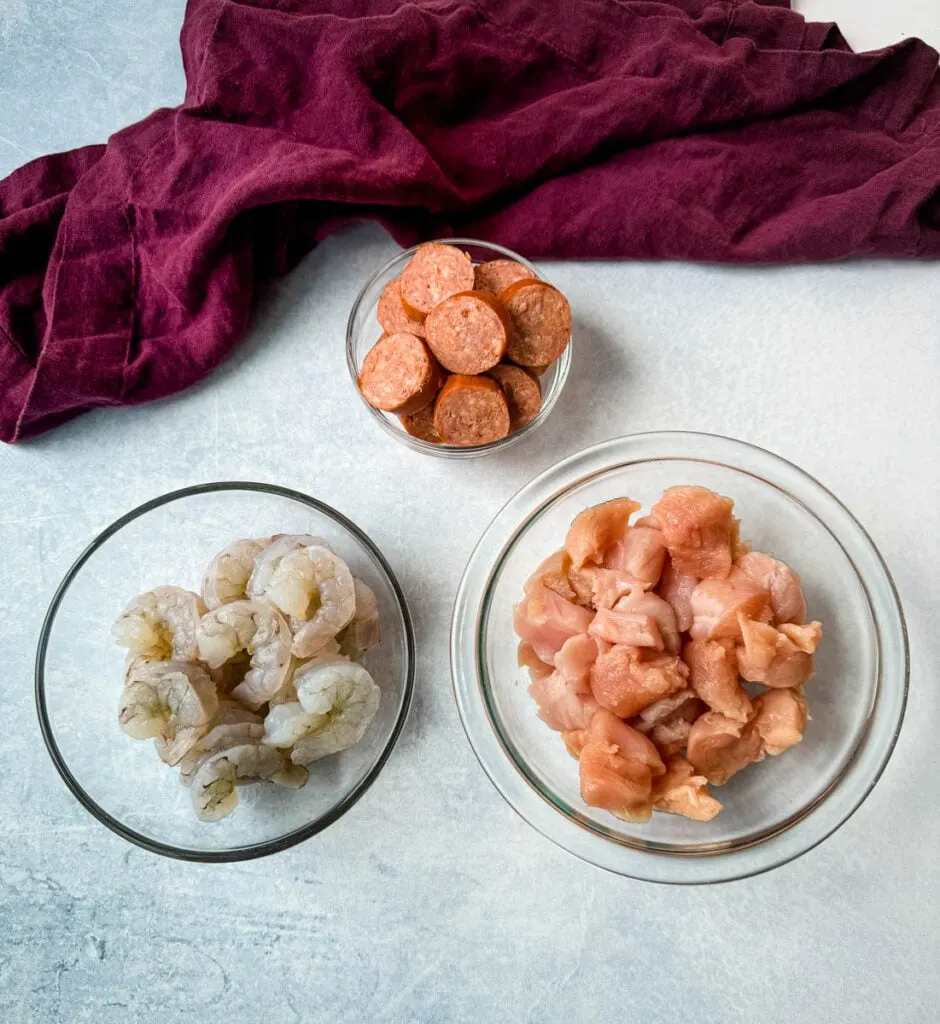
(363, 331)
(79, 674)
(773, 811)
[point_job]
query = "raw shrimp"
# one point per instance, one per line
(260, 631)
(681, 791)
(227, 575)
(288, 723)
(231, 725)
(214, 785)
(364, 632)
(345, 694)
(161, 624)
(267, 562)
(162, 698)
(314, 588)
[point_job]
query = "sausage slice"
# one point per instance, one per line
(391, 312)
(468, 332)
(497, 275)
(522, 391)
(399, 374)
(471, 410)
(434, 273)
(541, 322)
(421, 424)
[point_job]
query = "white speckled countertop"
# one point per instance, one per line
(431, 900)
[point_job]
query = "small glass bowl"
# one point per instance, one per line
(363, 331)
(80, 671)
(773, 811)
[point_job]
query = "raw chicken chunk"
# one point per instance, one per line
(596, 587)
(781, 719)
(676, 588)
(805, 637)
(546, 621)
(574, 661)
(669, 721)
(718, 604)
(681, 791)
(627, 679)
(560, 707)
(769, 656)
(713, 674)
(647, 603)
(597, 529)
(697, 527)
(783, 584)
(639, 554)
(527, 658)
(631, 628)
(617, 765)
(719, 747)
(553, 574)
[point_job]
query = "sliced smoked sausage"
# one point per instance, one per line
(471, 410)
(434, 273)
(468, 332)
(391, 312)
(522, 391)
(421, 424)
(497, 275)
(541, 322)
(399, 374)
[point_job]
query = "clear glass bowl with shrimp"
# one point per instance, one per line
(363, 330)
(772, 811)
(198, 601)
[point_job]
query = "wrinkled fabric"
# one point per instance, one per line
(679, 129)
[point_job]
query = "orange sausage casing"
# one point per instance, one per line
(468, 332)
(434, 273)
(399, 374)
(471, 411)
(541, 322)
(497, 275)
(391, 312)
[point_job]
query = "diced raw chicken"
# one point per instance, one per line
(669, 721)
(769, 656)
(627, 679)
(560, 708)
(574, 661)
(805, 637)
(718, 604)
(719, 747)
(527, 658)
(546, 621)
(574, 740)
(739, 548)
(598, 587)
(713, 674)
(553, 573)
(676, 588)
(781, 719)
(786, 593)
(597, 529)
(649, 521)
(617, 767)
(626, 628)
(615, 783)
(681, 791)
(638, 554)
(643, 602)
(697, 527)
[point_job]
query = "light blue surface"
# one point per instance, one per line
(431, 901)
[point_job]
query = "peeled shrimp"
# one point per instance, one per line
(266, 563)
(314, 588)
(364, 632)
(345, 695)
(161, 699)
(161, 624)
(227, 575)
(231, 725)
(286, 724)
(259, 631)
(214, 785)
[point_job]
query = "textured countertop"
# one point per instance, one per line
(431, 900)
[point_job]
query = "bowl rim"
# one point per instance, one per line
(726, 863)
(269, 846)
(562, 364)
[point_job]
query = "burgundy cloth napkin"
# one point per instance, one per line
(683, 129)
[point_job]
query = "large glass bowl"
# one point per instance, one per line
(773, 811)
(79, 674)
(363, 331)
